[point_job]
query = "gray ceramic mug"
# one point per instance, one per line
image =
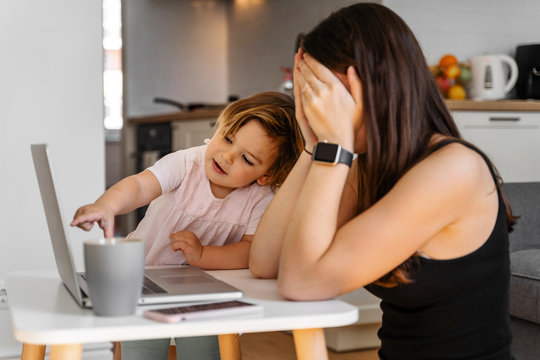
(115, 272)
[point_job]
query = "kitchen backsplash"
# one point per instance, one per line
(467, 28)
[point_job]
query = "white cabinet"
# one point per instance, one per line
(363, 333)
(189, 133)
(510, 139)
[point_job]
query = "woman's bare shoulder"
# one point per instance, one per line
(458, 159)
(454, 169)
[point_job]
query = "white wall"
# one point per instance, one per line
(468, 28)
(174, 49)
(50, 91)
(262, 38)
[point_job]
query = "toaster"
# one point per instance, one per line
(528, 62)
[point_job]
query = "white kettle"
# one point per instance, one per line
(489, 80)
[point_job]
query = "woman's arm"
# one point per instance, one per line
(268, 239)
(127, 195)
(434, 202)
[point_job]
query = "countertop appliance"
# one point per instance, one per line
(489, 79)
(528, 61)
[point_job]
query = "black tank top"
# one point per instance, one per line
(453, 309)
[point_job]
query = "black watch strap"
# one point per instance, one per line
(345, 157)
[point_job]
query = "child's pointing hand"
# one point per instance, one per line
(86, 216)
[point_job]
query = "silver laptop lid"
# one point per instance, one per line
(57, 229)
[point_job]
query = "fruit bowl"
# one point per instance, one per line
(452, 77)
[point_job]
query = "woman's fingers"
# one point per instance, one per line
(355, 84)
(321, 73)
(297, 86)
(309, 136)
(309, 83)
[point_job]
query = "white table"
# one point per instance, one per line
(44, 313)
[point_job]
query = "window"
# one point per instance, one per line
(112, 68)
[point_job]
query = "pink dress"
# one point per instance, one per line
(187, 203)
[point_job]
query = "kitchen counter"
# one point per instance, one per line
(453, 105)
(176, 116)
(494, 105)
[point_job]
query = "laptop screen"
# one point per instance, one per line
(57, 229)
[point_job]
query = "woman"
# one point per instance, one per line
(419, 218)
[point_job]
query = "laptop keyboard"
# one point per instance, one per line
(149, 287)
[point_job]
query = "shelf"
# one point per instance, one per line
(177, 116)
(494, 105)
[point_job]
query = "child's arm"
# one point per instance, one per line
(231, 256)
(125, 196)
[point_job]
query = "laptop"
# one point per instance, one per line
(161, 285)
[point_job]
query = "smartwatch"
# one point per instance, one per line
(331, 154)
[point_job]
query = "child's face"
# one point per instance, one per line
(239, 159)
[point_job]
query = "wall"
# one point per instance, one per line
(174, 49)
(205, 50)
(262, 37)
(468, 28)
(262, 33)
(195, 51)
(51, 91)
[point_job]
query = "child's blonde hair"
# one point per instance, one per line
(275, 112)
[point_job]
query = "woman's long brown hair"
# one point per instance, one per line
(402, 105)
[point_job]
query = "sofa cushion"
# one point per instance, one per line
(524, 200)
(525, 285)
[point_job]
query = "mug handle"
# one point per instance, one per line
(513, 72)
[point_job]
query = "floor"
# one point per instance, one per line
(280, 345)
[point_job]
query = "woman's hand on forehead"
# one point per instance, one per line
(332, 111)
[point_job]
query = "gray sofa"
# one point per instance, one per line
(525, 266)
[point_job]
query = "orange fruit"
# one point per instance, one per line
(435, 70)
(452, 71)
(447, 60)
(457, 92)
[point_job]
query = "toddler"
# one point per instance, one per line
(206, 201)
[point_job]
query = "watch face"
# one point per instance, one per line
(326, 152)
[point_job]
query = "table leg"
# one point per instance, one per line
(310, 344)
(33, 352)
(229, 347)
(66, 352)
(117, 350)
